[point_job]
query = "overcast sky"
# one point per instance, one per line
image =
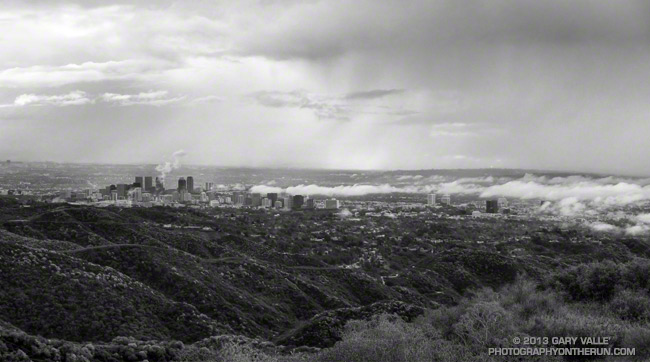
(334, 84)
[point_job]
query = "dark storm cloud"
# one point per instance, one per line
(331, 29)
(419, 83)
(372, 94)
(322, 108)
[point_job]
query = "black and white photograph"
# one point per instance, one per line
(324, 180)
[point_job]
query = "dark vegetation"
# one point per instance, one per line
(90, 284)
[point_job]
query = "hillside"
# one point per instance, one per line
(88, 275)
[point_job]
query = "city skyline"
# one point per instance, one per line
(432, 85)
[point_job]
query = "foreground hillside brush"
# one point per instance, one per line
(563, 305)
(80, 283)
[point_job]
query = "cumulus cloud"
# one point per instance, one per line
(73, 98)
(152, 98)
(55, 76)
(78, 97)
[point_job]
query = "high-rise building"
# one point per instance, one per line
(332, 204)
(287, 202)
(182, 184)
(139, 181)
(122, 189)
(256, 199)
(298, 201)
(492, 206)
(278, 204)
(241, 199)
(445, 199)
(190, 184)
(148, 183)
(503, 202)
(273, 197)
(159, 184)
(309, 204)
(209, 186)
(431, 199)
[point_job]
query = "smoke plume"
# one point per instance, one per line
(168, 166)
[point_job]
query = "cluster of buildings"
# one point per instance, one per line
(147, 191)
(493, 206)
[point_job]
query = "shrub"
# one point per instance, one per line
(639, 339)
(387, 338)
(596, 281)
(484, 324)
(631, 305)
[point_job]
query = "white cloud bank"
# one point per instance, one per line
(152, 98)
(78, 97)
(565, 196)
(74, 98)
(351, 190)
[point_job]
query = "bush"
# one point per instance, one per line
(526, 299)
(631, 305)
(639, 339)
(388, 338)
(485, 324)
(595, 281)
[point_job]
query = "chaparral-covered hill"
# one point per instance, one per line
(79, 274)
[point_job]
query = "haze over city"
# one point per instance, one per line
(328, 84)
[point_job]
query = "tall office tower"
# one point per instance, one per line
(182, 184)
(148, 184)
(309, 204)
(138, 182)
(298, 201)
(209, 186)
(159, 184)
(248, 201)
(273, 197)
(445, 199)
(122, 189)
(492, 206)
(190, 184)
(256, 199)
(241, 199)
(287, 202)
(431, 199)
(278, 204)
(332, 204)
